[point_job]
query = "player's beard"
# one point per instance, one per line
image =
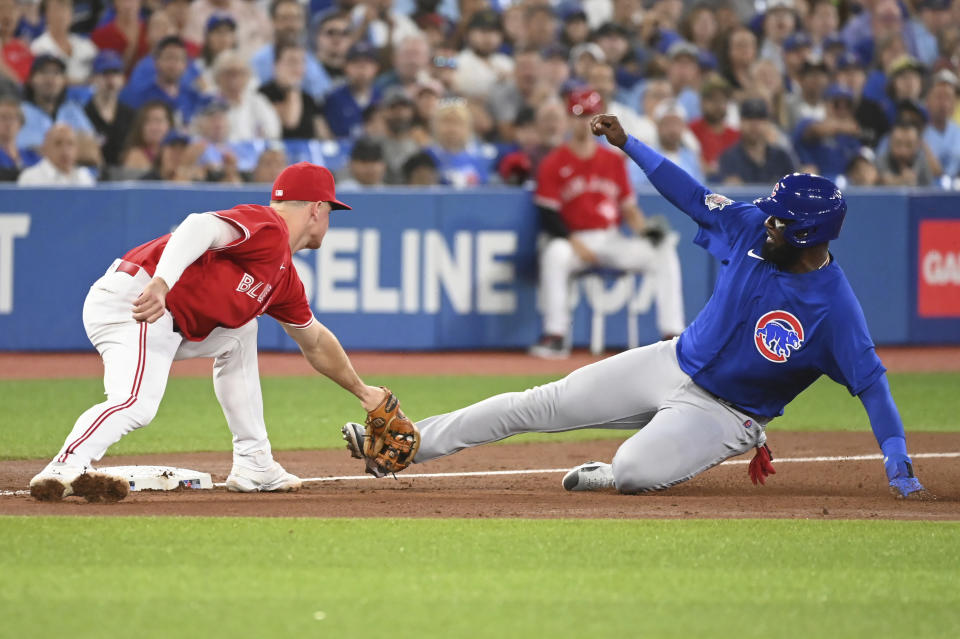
(784, 255)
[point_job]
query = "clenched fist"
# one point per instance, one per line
(609, 126)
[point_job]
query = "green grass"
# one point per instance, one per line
(305, 413)
(202, 577)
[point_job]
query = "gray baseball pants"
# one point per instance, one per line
(683, 429)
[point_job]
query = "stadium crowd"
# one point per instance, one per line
(471, 92)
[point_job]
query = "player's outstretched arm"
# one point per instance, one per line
(888, 429)
(324, 352)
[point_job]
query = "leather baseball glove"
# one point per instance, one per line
(388, 442)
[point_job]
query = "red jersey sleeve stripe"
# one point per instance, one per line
(305, 324)
(240, 227)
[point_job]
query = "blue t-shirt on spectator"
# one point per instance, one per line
(145, 73)
(470, 167)
(945, 146)
(343, 114)
(316, 81)
(37, 122)
(187, 102)
(28, 157)
(830, 155)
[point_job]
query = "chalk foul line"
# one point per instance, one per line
(544, 471)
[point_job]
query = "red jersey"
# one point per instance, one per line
(17, 57)
(230, 286)
(110, 37)
(587, 192)
(712, 144)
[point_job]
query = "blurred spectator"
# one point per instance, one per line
(822, 21)
(797, 50)
(13, 159)
(299, 115)
(700, 27)
(15, 56)
(833, 47)
(584, 56)
(656, 91)
(343, 107)
(460, 161)
(575, 29)
(110, 118)
(862, 170)
(886, 20)
(515, 26)
(480, 66)
(290, 27)
(551, 123)
(555, 71)
(942, 134)
(331, 41)
(251, 116)
(177, 160)
(366, 167)
(152, 123)
(826, 146)
(807, 103)
(411, 61)
(520, 164)
(76, 51)
(740, 53)
(506, 99)
(171, 84)
(219, 36)
(434, 26)
(212, 130)
(271, 162)
(683, 72)
(868, 114)
(420, 169)
(427, 96)
(905, 163)
(766, 81)
(542, 26)
(614, 41)
(602, 79)
(671, 121)
(443, 68)
(398, 141)
(378, 23)
(753, 160)
(254, 28)
(904, 82)
(59, 164)
(779, 21)
(928, 23)
(712, 131)
(178, 14)
(126, 33)
(45, 102)
(31, 23)
(144, 73)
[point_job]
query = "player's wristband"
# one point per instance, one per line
(645, 157)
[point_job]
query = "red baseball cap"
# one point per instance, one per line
(306, 182)
(584, 102)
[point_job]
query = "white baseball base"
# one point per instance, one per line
(160, 477)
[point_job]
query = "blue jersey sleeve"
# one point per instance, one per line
(722, 221)
(852, 359)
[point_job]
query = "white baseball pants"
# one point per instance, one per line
(683, 429)
(136, 362)
(558, 262)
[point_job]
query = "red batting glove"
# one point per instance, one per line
(761, 465)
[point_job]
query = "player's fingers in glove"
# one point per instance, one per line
(761, 466)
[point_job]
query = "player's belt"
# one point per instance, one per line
(129, 268)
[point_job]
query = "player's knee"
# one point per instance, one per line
(142, 412)
(557, 250)
(635, 476)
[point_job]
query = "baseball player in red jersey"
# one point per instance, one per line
(582, 195)
(197, 293)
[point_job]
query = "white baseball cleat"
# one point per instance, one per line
(589, 476)
(59, 480)
(273, 480)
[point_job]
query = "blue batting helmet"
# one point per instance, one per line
(813, 203)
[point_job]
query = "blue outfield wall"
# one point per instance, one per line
(417, 270)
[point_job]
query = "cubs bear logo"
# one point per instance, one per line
(777, 335)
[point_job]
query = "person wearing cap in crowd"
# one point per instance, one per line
(871, 117)
(221, 160)
(927, 25)
(797, 50)
(57, 40)
(942, 133)
(59, 164)
(480, 65)
(251, 115)
(826, 146)
(219, 36)
(655, 91)
(753, 160)
(111, 119)
(671, 122)
(366, 166)
(13, 158)
(398, 140)
(45, 101)
(807, 103)
(461, 161)
(198, 293)
(905, 77)
(290, 26)
(254, 28)
(524, 89)
(582, 57)
(435, 27)
(905, 163)
(712, 130)
(343, 107)
(779, 21)
(172, 83)
(15, 56)
(125, 34)
(300, 117)
(420, 169)
(177, 160)
(582, 195)
(683, 72)
(831, 49)
(575, 29)
(862, 170)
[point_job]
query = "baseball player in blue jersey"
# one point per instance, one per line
(781, 315)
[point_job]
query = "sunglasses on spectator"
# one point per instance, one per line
(444, 62)
(335, 33)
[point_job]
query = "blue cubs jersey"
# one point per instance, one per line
(765, 335)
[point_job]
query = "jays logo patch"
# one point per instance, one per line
(716, 201)
(777, 335)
